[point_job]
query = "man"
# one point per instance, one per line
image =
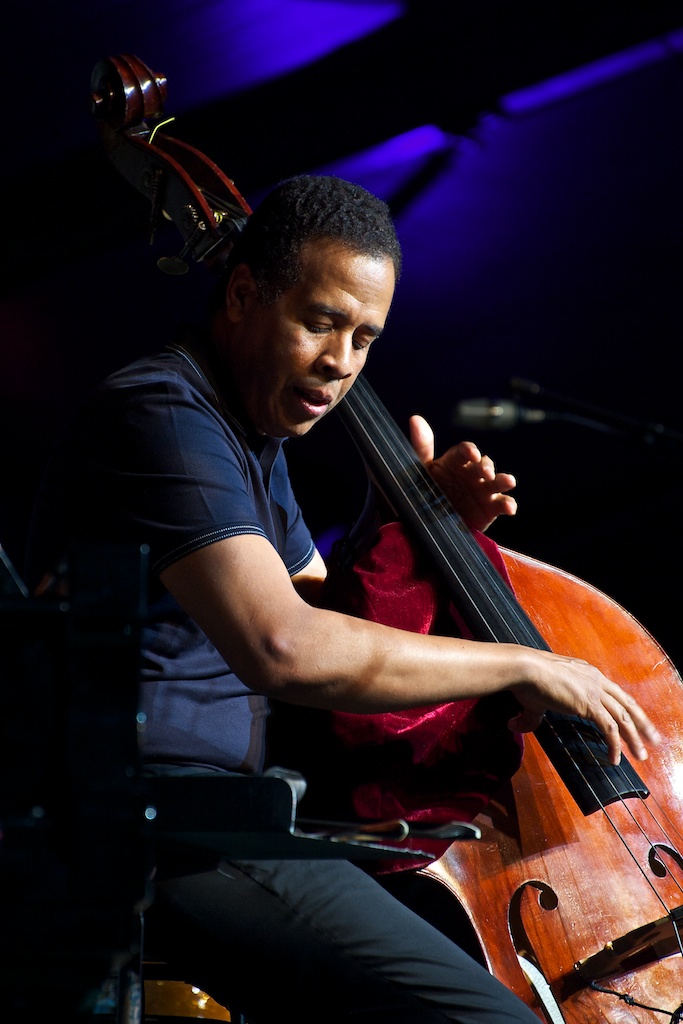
(183, 451)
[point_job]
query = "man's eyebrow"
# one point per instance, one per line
(322, 309)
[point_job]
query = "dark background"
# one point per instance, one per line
(533, 156)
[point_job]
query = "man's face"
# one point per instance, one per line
(296, 358)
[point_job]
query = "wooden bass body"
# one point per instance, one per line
(561, 887)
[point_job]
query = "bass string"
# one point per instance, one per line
(491, 610)
(482, 596)
(643, 802)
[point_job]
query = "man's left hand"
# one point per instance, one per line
(467, 478)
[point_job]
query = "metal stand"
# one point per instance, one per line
(74, 839)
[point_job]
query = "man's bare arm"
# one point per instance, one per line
(239, 592)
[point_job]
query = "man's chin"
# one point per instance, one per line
(299, 429)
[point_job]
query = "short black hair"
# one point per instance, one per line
(305, 208)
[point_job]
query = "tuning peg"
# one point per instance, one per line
(174, 265)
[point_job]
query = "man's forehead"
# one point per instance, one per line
(313, 247)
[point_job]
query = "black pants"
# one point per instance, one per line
(317, 942)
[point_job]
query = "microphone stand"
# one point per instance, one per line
(592, 416)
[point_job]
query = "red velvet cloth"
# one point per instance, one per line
(430, 764)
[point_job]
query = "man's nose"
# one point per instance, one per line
(336, 358)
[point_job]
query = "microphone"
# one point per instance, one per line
(506, 413)
(495, 414)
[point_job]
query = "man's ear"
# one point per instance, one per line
(241, 291)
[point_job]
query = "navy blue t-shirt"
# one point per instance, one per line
(156, 457)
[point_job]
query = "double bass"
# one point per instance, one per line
(575, 889)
